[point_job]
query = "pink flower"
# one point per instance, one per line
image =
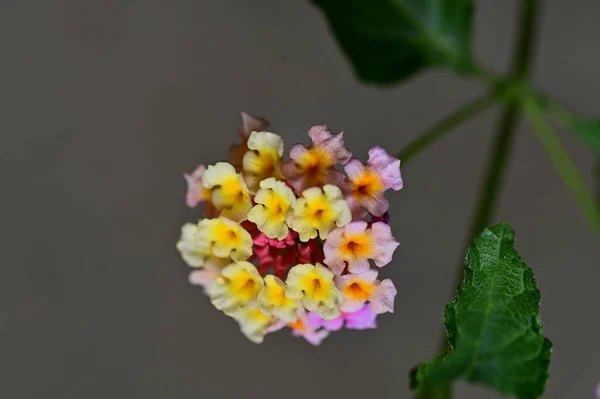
(362, 319)
(357, 289)
(196, 192)
(315, 165)
(368, 183)
(290, 240)
(354, 244)
(204, 278)
(249, 124)
(264, 255)
(305, 327)
(211, 269)
(330, 325)
(270, 250)
(310, 252)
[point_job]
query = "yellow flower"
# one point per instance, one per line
(314, 285)
(229, 192)
(273, 209)
(249, 124)
(192, 253)
(263, 160)
(195, 254)
(254, 324)
(224, 238)
(320, 211)
(237, 288)
(272, 300)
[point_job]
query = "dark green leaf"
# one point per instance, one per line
(492, 326)
(390, 40)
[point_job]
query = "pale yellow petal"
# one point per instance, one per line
(237, 288)
(274, 206)
(191, 252)
(273, 301)
(315, 287)
(253, 324)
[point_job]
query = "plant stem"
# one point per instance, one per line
(495, 169)
(502, 143)
(597, 177)
(509, 119)
(567, 170)
(525, 39)
(445, 126)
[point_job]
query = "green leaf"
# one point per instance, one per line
(492, 326)
(389, 40)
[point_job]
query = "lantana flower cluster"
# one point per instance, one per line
(292, 243)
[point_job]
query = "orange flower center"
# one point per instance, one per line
(357, 246)
(358, 290)
(315, 164)
(298, 325)
(367, 184)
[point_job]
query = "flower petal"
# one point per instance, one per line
(315, 287)
(237, 288)
(192, 253)
(313, 337)
(350, 246)
(362, 319)
(224, 238)
(386, 243)
(196, 192)
(315, 165)
(359, 266)
(354, 169)
(273, 209)
(335, 262)
(387, 166)
(254, 324)
(264, 159)
(335, 324)
(204, 278)
(319, 210)
(333, 143)
(252, 124)
(377, 205)
(229, 191)
(356, 289)
(272, 300)
(383, 297)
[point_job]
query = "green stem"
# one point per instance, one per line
(525, 39)
(509, 119)
(502, 144)
(495, 169)
(597, 179)
(567, 170)
(445, 126)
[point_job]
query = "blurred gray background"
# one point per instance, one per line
(105, 103)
